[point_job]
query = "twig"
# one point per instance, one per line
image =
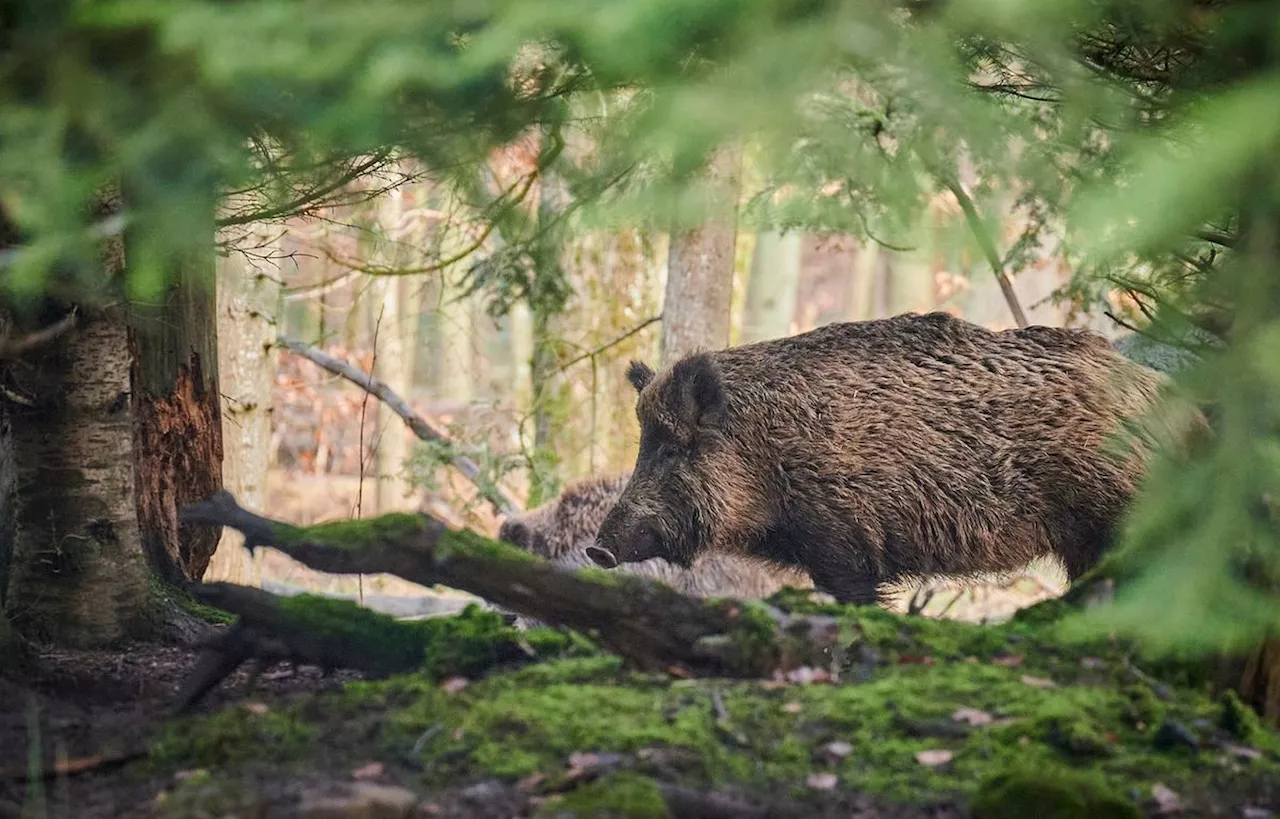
(919, 599)
(595, 351)
(425, 429)
(988, 246)
(14, 347)
(954, 600)
(1217, 237)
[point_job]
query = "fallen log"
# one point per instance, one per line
(331, 634)
(645, 622)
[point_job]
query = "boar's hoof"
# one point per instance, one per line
(602, 557)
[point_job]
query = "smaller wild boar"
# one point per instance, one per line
(562, 529)
(869, 453)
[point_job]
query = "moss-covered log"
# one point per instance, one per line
(340, 634)
(648, 623)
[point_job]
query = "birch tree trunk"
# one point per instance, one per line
(79, 575)
(248, 304)
(698, 297)
(772, 286)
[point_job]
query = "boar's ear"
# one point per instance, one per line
(700, 392)
(639, 374)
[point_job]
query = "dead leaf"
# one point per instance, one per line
(1166, 800)
(256, 708)
(582, 759)
(838, 749)
(934, 757)
(804, 675)
(530, 782)
(1037, 682)
(793, 707)
(914, 660)
(822, 781)
(1242, 751)
(370, 771)
(972, 716)
(452, 685)
(1009, 660)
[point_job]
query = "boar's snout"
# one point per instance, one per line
(602, 557)
(515, 533)
(638, 544)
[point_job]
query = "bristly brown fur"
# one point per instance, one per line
(870, 452)
(562, 529)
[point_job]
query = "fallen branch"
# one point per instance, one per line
(649, 624)
(424, 428)
(335, 634)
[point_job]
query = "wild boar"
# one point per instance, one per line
(562, 530)
(874, 452)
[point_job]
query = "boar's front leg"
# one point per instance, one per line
(850, 589)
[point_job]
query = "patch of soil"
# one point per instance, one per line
(90, 703)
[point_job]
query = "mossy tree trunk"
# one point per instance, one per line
(177, 415)
(78, 576)
(699, 292)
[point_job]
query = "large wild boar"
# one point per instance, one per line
(562, 529)
(879, 451)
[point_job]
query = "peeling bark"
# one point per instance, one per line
(178, 418)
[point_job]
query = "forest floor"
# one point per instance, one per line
(928, 718)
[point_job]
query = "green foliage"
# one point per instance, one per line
(1139, 135)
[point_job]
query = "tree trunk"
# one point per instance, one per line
(79, 575)
(248, 302)
(771, 291)
(697, 302)
(394, 367)
(177, 417)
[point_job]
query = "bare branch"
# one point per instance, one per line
(422, 427)
(988, 246)
(595, 351)
(14, 347)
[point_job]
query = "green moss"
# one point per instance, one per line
(1074, 732)
(900, 698)
(469, 543)
(1049, 792)
(359, 533)
(230, 736)
(1240, 720)
(619, 796)
(201, 795)
(467, 644)
(166, 597)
